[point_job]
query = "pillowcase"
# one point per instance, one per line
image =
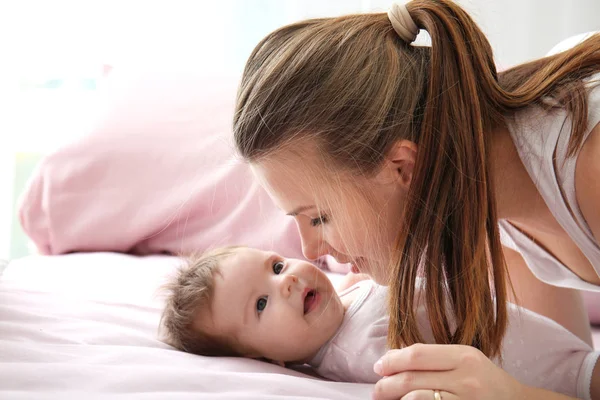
(157, 174)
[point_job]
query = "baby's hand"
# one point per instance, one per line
(350, 279)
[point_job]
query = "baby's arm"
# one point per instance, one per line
(349, 280)
(541, 353)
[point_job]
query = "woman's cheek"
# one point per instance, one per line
(335, 240)
(353, 247)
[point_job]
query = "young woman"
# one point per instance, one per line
(408, 161)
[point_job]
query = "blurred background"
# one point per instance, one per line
(57, 54)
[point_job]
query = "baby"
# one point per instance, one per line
(239, 301)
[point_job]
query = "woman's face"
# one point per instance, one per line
(355, 219)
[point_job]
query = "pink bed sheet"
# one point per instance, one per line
(84, 326)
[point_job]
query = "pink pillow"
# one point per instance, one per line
(156, 174)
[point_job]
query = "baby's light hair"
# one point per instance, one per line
(188, 292)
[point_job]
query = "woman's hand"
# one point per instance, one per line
(458, 372)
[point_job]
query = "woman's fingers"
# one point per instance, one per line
(400, 385)
(429, 395)
(459, 371)
(428, 357)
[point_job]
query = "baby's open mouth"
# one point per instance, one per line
(310, 301)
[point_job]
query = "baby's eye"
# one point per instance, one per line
(322, 219)
(261, 304)
(277, 267)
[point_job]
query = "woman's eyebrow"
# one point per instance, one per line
(299, 210)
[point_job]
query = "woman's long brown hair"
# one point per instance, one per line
(354, 88)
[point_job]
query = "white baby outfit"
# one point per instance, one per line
(536, 350)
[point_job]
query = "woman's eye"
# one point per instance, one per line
(261, 304)
(277, 267)
(322, 219)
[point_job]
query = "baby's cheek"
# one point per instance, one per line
(287, 323)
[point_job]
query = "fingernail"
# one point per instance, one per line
(378, 367)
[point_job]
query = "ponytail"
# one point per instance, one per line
(450, 217)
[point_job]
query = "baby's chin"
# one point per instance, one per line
(324, 326)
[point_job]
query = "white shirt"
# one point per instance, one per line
(536, 351)
(541, 138)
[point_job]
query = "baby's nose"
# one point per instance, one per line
(287, 284)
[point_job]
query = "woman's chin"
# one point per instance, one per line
(363, 266)
(382, 280)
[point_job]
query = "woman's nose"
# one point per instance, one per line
(312, 245)
(287, 284)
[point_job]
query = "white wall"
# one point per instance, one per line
(521, 30)
(217, 35)
(6, 198)
(42, 34)
(518, 30)
(74, 38)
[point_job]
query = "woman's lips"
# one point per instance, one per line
(358, 265)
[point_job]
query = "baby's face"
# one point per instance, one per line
(277, 308)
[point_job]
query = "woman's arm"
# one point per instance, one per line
(458, 372)
(565, 306)
(536, 393)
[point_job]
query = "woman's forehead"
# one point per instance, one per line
(303, 176)
(287, 186)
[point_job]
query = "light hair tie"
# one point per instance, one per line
(402, 22)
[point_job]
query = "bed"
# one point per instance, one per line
(155, 175)
(85, 326)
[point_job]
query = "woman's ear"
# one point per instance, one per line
(401, 161)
